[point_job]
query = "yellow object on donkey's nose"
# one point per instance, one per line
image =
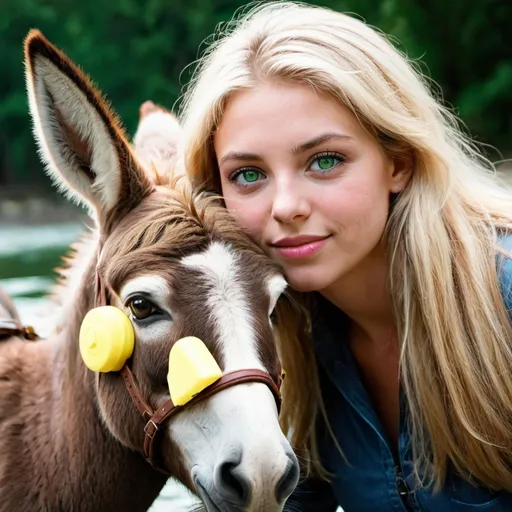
(106, 339)
(192, 368)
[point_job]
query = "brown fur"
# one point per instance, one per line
(71, 439)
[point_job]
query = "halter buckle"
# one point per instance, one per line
(151, 431)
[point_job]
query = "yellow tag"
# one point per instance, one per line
(106, 339)
(192, 368)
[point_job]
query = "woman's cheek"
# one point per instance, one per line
(248, 217)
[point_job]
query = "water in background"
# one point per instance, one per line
(28, 256)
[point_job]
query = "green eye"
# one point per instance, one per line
(247, 176)
(325, 163)
(250, 175)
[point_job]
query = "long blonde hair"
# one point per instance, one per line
(455, 333)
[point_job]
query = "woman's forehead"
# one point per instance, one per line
(283, 115)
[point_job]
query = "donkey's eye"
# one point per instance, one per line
(141, 308)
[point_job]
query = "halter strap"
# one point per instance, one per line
(10, 327)
(156, 419)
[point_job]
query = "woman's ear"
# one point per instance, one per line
(401, 171)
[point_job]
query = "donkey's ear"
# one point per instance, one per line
(157, 143)
(79, 137)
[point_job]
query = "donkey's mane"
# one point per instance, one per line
(173, 221)
(179, 216)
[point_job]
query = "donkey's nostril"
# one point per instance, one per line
(289, 479)
(231, 484)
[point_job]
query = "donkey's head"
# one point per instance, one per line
(173, 261)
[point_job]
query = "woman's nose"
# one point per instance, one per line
(291, 203)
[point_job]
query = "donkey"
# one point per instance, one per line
(172, 260)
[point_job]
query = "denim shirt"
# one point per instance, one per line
(374, 480)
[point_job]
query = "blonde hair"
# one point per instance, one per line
(455, 333)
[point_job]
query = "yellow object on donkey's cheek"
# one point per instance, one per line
(106, 339)
(192, 368)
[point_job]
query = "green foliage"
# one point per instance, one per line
(144, 50)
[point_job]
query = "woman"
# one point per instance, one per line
(331, 152)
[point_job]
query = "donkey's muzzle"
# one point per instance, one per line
(233, 488)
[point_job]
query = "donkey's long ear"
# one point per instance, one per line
(79, 137)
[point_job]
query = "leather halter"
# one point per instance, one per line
(156, 419)
(10, 327)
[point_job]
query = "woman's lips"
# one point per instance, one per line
(299, 247)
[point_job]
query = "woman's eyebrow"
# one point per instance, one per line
(316, 141)
(236, 155)
(301, 148)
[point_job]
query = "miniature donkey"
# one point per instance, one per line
(173, 261)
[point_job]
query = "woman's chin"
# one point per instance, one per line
(306, 281)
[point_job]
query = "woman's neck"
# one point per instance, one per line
(363, 295)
